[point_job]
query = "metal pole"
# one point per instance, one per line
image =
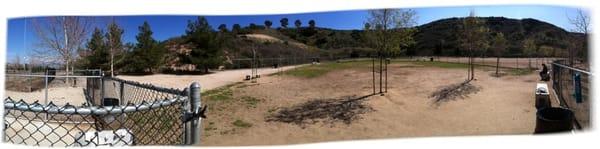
(192, 128)
(102, 90)
(46, 95)
(122, 90)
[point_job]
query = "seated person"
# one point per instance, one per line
(544, 73)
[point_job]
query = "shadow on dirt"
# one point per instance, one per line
(344, 109)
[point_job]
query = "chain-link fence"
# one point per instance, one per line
(572, 87)
(504, 62)
(116, 112)
(51, 85)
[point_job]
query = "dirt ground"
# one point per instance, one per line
(503, 105)
(207, 82)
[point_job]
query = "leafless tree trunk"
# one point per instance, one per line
(582, 25)
(61, 37)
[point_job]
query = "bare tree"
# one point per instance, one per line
(61, 37)
(582, 25)
(498, 46)
(474, 39)
(392, 33)
(529, 48)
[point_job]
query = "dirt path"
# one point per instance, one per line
(207, 82)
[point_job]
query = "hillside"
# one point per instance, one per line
(441, 36)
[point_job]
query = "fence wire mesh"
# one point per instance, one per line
(129, 113)
(572, 87)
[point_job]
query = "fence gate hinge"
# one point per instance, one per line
(197, 113)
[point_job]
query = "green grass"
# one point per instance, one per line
(519, 72)
(219, 94)
(311, 71)
(251, 102)
(240, 123)
(443, 65)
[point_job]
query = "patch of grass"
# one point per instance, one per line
(219, 94)
(251, 102)
(311, 71)
(240, 123)
(442, 64)
(518, 72)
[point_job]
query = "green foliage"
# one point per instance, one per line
(284, 22)
(474, 35)
(268, 23)
(312, 24)
(393, 32)
(206, 48)
(147, 55)
(298, 23)
(98, 57)
(529, 47)
(499, 44)
(514, 30)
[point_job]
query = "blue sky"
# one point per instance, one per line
(21, 35)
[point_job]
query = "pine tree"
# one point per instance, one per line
(98, 52)
(206, 48)
(146, 55)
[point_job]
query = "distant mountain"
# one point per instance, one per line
(441, 36)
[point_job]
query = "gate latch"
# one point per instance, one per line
(197, 113)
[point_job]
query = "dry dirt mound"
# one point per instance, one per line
(344, 109)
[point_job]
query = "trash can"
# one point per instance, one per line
(542, 96)
(109, 102)
(554, 119)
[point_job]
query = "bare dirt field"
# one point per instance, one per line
(239, 114)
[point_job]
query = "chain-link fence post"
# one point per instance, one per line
(192, 130)
(121, 91)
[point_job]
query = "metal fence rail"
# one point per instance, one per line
(572, 87)
(151, 116)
